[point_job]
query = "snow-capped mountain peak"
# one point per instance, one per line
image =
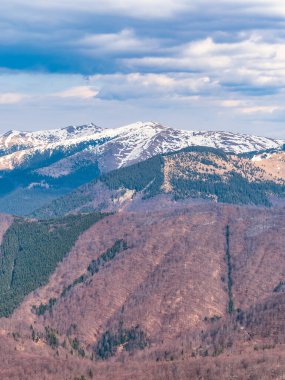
(15, 138)
(82, 129)
(117, 147)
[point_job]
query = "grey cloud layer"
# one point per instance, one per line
(224, 56)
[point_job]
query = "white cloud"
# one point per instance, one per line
(135, 8)
(151, 85)
(123, 41)
(262, 109)
(231, 103)
(247, 106)
(11, 98)
(82, 92)
(252, 61)
(154, 8)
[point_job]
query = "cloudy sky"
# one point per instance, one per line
(191, 64)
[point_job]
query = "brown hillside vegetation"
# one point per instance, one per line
(190, 174)
(169, 287)
(273, 164)
(181, 164)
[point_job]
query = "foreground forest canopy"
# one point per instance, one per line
(186, 293)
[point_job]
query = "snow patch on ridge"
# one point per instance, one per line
(122, 146)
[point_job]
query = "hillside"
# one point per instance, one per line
(28, 245)
(153, 262)
(37, 167)
(192, 173)
(273, 163)
(160, 295)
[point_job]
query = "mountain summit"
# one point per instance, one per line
(124, 146)
(36, 167)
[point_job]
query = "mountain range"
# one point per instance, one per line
(193, 174)
(142, 252)
(128, 144)
(37, 167)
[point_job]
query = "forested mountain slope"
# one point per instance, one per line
(192, 173)
(160, 294)
(30, 251)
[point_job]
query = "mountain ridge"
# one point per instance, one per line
(37, 167)
(15, 143)
(193, 173)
